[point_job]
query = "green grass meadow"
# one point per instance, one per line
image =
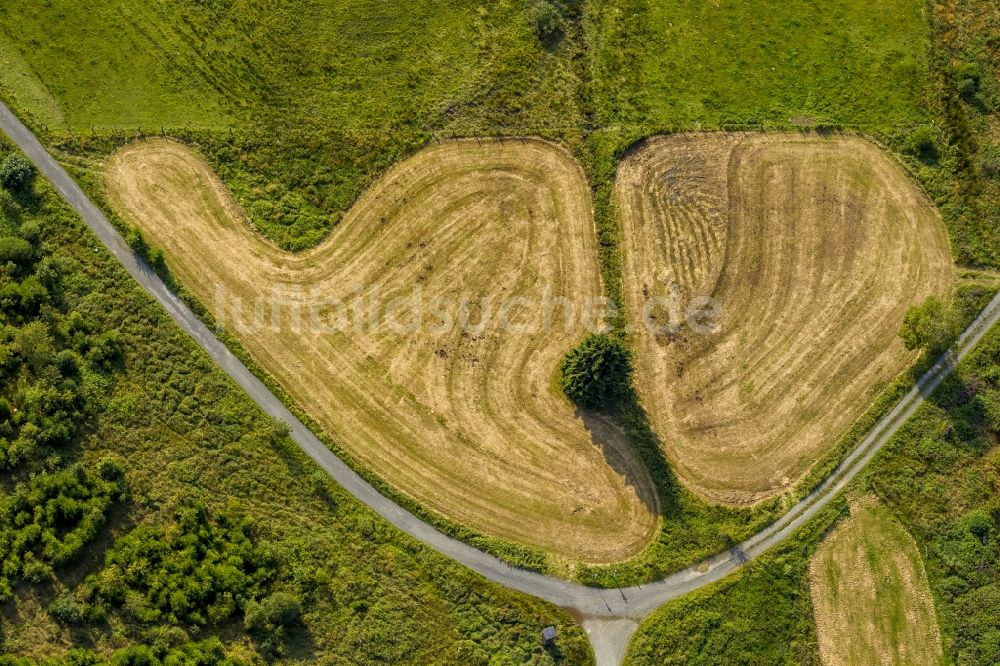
(707, 65)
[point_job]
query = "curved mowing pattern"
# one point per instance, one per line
(468, 422)
(814, 248)
(594, 605)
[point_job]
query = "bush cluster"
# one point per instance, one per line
(933, 325)
(196, 570)
(16, 173)
(596, 374)
(46, 353)
(47, 522)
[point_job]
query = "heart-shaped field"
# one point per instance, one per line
(468, 420)
(813, 248)
(425, 333)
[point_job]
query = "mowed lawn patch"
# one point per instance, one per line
(870, 593)
(812, 249)
(466, 419)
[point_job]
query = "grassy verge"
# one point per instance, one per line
(762, 615)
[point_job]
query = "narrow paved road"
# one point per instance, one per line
(606, 613)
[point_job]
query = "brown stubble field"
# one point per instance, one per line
(813, 248)
(470, 424)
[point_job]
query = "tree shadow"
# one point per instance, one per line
(299, 644)
(642, 463)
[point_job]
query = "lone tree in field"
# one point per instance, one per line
(16, 173)
(596, 374)
(932, 325)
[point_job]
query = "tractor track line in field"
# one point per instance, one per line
(609, 615)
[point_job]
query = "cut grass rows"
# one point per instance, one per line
(870, 593)
(812, 249)
(183, 430)
(468, 422)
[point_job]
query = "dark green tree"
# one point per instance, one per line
(547, 22)
(596, 374)
(16, 251)
(278, 610)
(16, 173)
(921, 144)
(268, 619)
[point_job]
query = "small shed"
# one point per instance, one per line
(548, 635)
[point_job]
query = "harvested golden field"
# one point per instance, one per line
(871, 599)
(812, 248)
(466, 419)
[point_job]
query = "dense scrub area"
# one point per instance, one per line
(54, 363)
(150, 514)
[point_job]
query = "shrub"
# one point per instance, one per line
(278, 610)
(16, 173)
(546, 21)
(920, 143)
(16, 251)
(596, 374)
(268, 619)
(932, 325)
(68, 363)
(68, 610)
(106, 350)
(9, 208)
(967, 79)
